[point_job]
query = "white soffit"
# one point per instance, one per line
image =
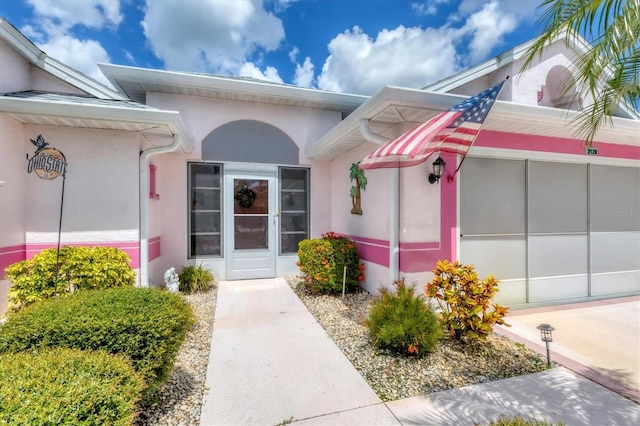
(158, 126)
(392, 111)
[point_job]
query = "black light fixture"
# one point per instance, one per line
(545, 336)
(438, 170)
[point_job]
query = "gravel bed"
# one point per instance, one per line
(453, 364)
(179, 401)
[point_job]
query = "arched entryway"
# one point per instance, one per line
(250, 155)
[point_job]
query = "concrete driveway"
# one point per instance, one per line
(599, 340)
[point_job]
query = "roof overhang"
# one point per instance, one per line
(575, 42)
(136, 82)
(159, 127)
(21, 44)
(393, 111)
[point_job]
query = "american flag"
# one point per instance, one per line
(453, 130)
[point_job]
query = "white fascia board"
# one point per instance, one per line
(80, 80)
(151, 117)
(16, 40)
(143, 75)
(542, 115)
(19, 42)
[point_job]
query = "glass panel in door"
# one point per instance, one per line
(251, 214)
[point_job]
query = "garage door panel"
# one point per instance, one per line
(615, 200)
(554, 255)
(615, 283)
(615, 251)
(494, 197)
(541, 227)
(558, 197)
(504, 257)
(512, 292)
(558, 288)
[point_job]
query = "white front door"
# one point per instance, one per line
(250, 224)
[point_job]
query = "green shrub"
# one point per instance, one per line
(67, 387)
(402, 322)
(464, 300)
(81, 268)
(322, 263)
(147, 325)
(195, 279)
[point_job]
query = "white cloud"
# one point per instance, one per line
(208, 35)
(54, 22)
(293, 54)
(83, 55)
(249, 69)
(61, 15)
(304, 73)
(280, 5)
(428, 7)
(403, 57)
(487, 27)
(415, 57)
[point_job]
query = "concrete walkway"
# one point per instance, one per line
(272, 363)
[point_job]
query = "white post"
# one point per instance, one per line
(394, 225)
(344, 280)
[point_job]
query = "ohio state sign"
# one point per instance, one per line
(47, 163)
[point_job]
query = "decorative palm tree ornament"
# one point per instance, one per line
(357, 174)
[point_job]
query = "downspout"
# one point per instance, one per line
(394, 204)
(144, 207)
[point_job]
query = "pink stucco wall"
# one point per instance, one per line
(427, 218)
(15, 74)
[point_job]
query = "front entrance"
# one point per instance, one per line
(250, 225)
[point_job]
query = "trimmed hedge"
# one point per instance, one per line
(147, 325)
(322, 262)
(67, 386)
(80, 268)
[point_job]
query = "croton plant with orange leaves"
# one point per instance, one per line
(465, 301)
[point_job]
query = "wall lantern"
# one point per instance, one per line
(438, 170)
(545, 336)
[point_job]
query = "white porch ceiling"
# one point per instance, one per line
(393, 111)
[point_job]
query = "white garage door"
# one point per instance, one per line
(551, 232)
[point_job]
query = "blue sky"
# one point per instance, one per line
(351, 46)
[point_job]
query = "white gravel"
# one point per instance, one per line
(453, 364)
(391, 376)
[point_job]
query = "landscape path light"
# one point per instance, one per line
(545, 335)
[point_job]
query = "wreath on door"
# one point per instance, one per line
(245, 196)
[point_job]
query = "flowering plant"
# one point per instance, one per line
(322, 262)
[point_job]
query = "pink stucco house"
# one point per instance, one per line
(177, 168)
